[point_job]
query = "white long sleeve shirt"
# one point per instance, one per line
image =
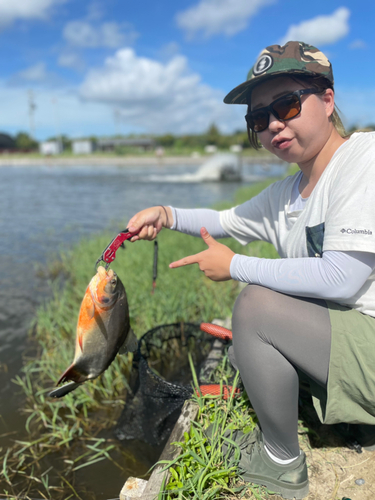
(336, 223)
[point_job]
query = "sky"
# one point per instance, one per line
(95, 67)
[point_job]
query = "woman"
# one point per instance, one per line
(313, 310)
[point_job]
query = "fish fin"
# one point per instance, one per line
(130, 344)
(71, 373)
(64, 390)
(80, 340)
(90, 307)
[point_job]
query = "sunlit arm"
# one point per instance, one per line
(336, 276)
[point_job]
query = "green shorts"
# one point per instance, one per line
(350, 394)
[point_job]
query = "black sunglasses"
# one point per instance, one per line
(284, 108)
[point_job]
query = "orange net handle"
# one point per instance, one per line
(217, 331)
(215, 390)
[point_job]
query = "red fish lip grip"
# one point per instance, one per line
(109, 253)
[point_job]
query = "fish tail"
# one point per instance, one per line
(62, 391)
(71, 373)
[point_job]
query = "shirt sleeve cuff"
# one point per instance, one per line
(174, 225)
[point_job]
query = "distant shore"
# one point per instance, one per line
(23, 161)
(112, 160)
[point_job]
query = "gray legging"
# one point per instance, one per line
(273, 335)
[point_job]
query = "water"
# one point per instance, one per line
(46, 209)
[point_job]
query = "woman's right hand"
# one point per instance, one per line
(149, 222)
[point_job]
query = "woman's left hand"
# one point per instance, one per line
(214, 262)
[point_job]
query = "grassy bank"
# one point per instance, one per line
(132, 152)
(62, 437)
(170, 158)
(202, 470)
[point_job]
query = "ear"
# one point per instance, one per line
(329, 101)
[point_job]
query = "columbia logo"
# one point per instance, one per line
(356, 231)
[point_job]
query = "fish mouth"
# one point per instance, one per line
(101, 296)
(104, 274)
(101, 271)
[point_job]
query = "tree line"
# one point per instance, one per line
(24, 142)
(211, 137)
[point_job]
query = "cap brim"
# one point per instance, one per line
(238, 94)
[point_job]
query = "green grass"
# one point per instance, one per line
(68, 433)
(67, 425)
(201, 470)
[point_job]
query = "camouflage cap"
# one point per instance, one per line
(291, 58)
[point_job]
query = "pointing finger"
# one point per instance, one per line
(186, 261)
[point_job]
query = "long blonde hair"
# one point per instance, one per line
(318, 82)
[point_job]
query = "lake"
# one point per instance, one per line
(44, 210)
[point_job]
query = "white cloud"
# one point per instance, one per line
(36, 75)
(213, 17)
(158, 97)
(71, 60)
(95, 11)
(358, 44)
(320, 30)
(110, 34)
(79, 118)
(24, 9)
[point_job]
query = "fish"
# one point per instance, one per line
(103, 330)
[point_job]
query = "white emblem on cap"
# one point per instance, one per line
(262, 64)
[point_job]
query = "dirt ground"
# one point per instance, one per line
(333, 471)
(332, 466)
